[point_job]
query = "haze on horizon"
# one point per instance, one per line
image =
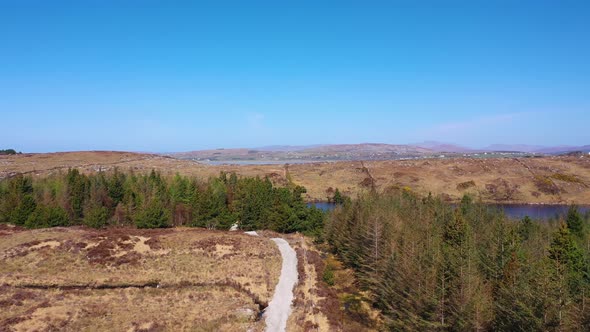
(163, 77)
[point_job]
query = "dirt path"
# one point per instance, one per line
(279, 308)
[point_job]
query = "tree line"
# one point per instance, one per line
(8, 152)
(431, 266)
(153, 201)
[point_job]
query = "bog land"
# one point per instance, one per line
(549, 179)
(128, 279)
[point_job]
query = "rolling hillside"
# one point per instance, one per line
(563, 179)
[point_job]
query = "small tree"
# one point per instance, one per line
(96, 216)
(568, 258)
(154, 215)
(23, 210)
(525, 228)
(48, 216)
(574, 221)
(338, 199)
(328, 275)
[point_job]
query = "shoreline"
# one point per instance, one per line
(490, 203)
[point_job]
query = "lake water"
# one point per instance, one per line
(253, 162)
(518, 211)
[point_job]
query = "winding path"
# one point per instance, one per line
(279, 308)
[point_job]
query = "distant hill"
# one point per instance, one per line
(564, 149)
(369, 148)
(290, 154)
(514, 147)
(443, 147)
(551, 150)
(287, 148)
(363, 151)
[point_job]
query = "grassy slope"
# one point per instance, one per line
(509, 180)
(206, 280)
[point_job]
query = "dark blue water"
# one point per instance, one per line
(517, 211)
(537, 211)
(324, 206)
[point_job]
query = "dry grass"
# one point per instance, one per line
(129, 309)
(507, 180)
(318, 306)
(175, 279)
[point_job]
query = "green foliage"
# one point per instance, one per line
(116, 190)
(430, 266)
(25, 207)
(568, 257)
(328, 275)
(17, 202)
(155, 201)
(566, 178)
(466, 203)
(8, 152)
(21, 185)
(96, 216)
(77, 189)
(525, 228)
(154, 215)
(47, 216)
(338, 198)
(574, 221)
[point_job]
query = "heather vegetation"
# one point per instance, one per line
(425, 264)
(432, 266)
(153, 201)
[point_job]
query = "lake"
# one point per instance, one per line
(518, 211)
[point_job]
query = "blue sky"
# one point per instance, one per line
(175, 76)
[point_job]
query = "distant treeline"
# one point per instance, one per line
(8, 151)
(152, 201)
(433, 267)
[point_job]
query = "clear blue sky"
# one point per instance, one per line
(174, 76)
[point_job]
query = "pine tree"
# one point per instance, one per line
(47, 216)
(115, 187)
(568, 274)
(154, 215)
(574, 222)
(26, 206)
(338, 199)
(77, 190)
(96, 216)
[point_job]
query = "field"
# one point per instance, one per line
(126, 279)
(495, 180)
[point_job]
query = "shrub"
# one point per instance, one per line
(466, 185)
(328, 275)
(8, 152)
(545, 185)
(48, 216)
(566, 178)
(23, 210)
(153, 216)
(96, 217)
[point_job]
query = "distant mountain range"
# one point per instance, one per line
(560, 149)
(363, 151)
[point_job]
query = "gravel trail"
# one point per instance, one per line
(279, 308)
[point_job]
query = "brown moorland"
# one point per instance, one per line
(550, 180)
(137, 280)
